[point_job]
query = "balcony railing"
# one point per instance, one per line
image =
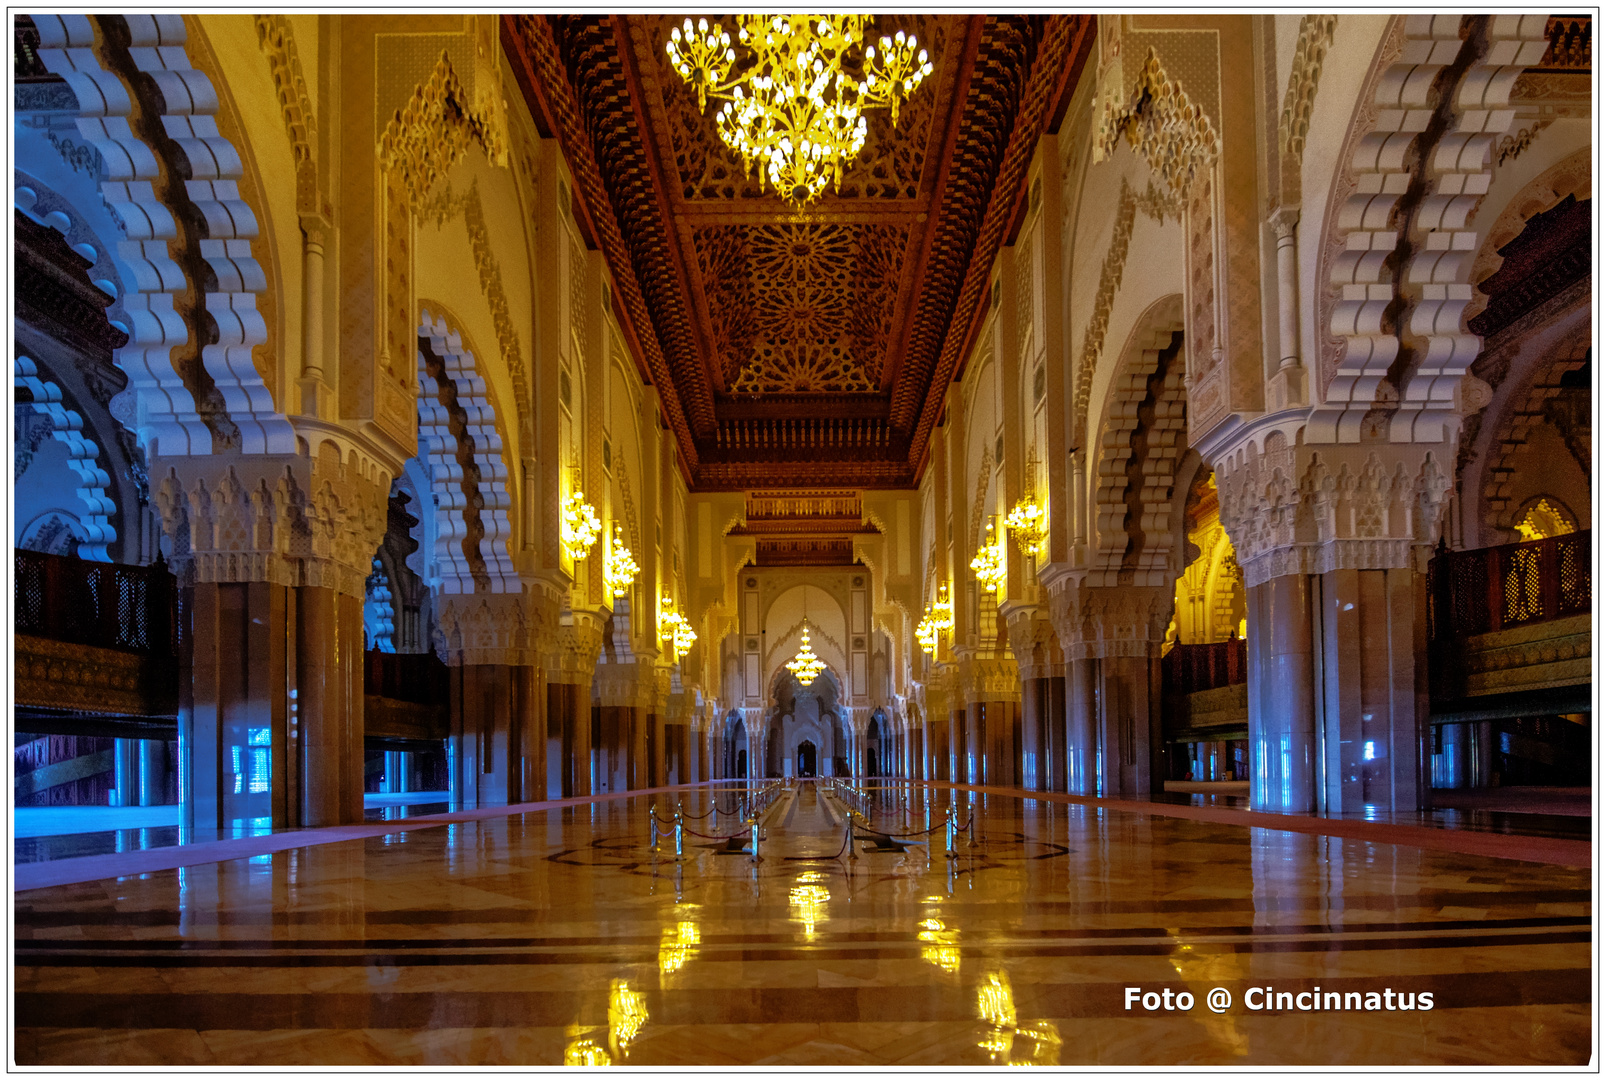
(1187, 669)
(419, 678)
(106, 605)
(1493, 588)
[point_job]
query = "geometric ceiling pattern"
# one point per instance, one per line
(799, 348)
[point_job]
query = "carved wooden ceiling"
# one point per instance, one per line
(799, 349)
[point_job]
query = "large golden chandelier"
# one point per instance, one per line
(795, 114)
(805, 665)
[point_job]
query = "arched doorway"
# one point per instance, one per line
(804, 714)
(807, 759)
(735, 748)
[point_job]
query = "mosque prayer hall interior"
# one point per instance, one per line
(836, 540)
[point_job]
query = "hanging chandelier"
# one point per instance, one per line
(795, 114)
(989, 561)
(619, 569)
(1028, 521)
(942, 612)
(805, 665)
(675, 628)
(926, 633)
(580, 526)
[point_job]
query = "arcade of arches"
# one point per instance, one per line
(433, 449)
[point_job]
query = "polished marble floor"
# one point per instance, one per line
(558, 936)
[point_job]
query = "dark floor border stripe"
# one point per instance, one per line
(755, 955)
(733, 1005)
(710, 940)
(25, 918)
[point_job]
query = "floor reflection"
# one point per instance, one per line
(559, 937)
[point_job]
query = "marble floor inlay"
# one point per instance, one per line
(1064, 934)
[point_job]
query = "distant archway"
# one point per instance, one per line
(734, 754)
(807, 759)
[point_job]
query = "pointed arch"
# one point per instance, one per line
(84, 458)
(221, 402)
(461, 446)
(1140, 440)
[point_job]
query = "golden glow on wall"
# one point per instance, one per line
(795, 115)
(1545, 519)
(1209, 594)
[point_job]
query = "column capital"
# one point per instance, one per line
(289, 519)
(988, 679)
(491, 628)
(1032, 639)
(570, 652)
(1298, 509)
(1098, 621)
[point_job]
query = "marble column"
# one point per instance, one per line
(495, 717)
(1053, 728)
(1282, 730)
(1081, 728)
(152, 772)
(1372, 665)
(330, 698)
(1033, 751)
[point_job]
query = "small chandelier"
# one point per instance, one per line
(795, 114)
(926, 633)
(675, 628)
(619, 569)
(942, 612)
(580, 526)
(989, 561)
(805, 665)
(1028, 521)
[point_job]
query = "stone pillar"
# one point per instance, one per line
(125, 772)
(1130, 740)
(1035, 647)
(1287, 385)
(1034, 757)
(273, 694)
(569, 661)
(1081, 728)
(1334, 540)
(492, 644)
(1054, 749)
(152, 772)
(1373, 652)
(1282, 723)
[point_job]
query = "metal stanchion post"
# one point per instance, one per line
(853, 854)
(948, 831)
(652, 816)
(753, 823)
(680, 836)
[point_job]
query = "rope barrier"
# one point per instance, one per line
(918, 832)
(706, 836)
